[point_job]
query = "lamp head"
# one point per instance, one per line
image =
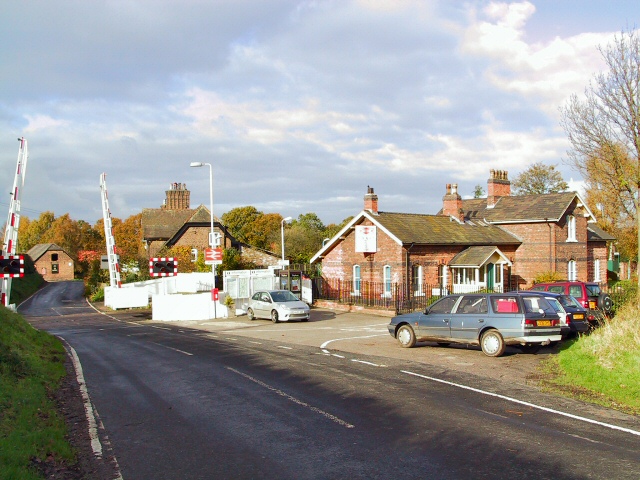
(196, 164)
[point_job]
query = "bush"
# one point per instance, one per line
(548, 276)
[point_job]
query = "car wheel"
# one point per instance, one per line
(250, 314)
(406, 337)
(305, 319)
(492, 343)
(605, 302)
(274, 316)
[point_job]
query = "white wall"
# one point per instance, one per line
(197, 306)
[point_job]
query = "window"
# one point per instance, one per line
(356, 279)
(473, 304)
(572, 271)
(387, 280)
(571, 229)
(444, 305)
(596, 270)
(417, 280)
(54, 257)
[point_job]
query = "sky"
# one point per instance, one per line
(298, 106)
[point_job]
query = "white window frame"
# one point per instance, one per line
(417, 280)
(571, 228)
(357, 279)
(572, 270)
(596, 270)
(386, 278)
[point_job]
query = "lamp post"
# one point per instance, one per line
(211, 240)
(287, 219)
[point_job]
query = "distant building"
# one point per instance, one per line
(176, 224)
(52, 262)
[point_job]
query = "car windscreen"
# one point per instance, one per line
(283, 296)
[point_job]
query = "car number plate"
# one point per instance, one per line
(295, 312)
(578, 316)
(544, 323)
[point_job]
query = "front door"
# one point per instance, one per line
(490, 276)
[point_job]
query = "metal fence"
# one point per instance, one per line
(401, 298)
(405, 298)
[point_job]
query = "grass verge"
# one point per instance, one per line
(603, 367)
(31, 430)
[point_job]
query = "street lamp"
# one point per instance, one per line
(282, 234)
(211, 239)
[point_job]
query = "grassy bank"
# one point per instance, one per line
(31, 368)
(603, 367)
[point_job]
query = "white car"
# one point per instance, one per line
(278, 305)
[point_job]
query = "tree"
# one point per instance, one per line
(478, 191)
(539, 179)
(128, 238)
(604, 127)
(239, 221)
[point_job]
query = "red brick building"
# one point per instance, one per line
(52, 262)
(499, 242)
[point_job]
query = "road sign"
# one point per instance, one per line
(212, 256)
(163, 267)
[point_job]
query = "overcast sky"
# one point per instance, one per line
(298, 105)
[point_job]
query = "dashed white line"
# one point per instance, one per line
(174, 349)
(331, 417)
(286, 348)
(528, 404)
(367, 363)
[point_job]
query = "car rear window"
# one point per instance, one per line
(505, 304)
(593, 290)
(538, 288)
(556, 289)
(535, 304)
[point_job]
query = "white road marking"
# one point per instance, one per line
(367, 363)
(257, 343)
(286, 348)
(331, 417)
(528, 404)
(91, 414)
(324, 345)
(174, 349)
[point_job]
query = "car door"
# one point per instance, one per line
(469, 317)
(263, 306)
(435, 323)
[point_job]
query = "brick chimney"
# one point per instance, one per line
(498, 186)
(177, 197)
(371, 201)
(452, 203)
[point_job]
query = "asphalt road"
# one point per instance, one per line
(323, 399)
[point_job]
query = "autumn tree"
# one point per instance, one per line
(31, 232)
(539, 179)
(239, 221)
(604, 126)
(128, 238)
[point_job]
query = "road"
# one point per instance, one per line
(263, 401)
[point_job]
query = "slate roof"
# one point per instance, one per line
(521, 208)
(596, 234)
(39, 250)
(473, 256)
(162, 224)
(442, 230)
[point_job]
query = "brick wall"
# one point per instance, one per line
(64, 264)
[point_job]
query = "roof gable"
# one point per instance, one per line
(525, 208)
(39, 250)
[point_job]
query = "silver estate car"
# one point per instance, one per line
(277, 305)
(491, 320)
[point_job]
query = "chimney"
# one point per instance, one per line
(498, 186)
(452, 203)
(177, 197)
(371, 201)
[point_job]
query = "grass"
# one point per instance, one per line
(603, 367)
(22, 288)
(31, 368)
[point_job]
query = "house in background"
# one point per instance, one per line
(499, 242)
(177, 224)
(52, 262)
